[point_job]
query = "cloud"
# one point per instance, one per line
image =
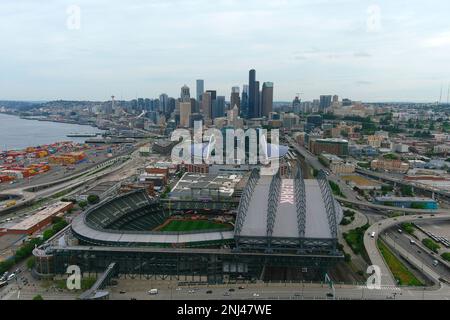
(361, 54)
(363, 83)
(440, 40)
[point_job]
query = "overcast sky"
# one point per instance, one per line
(364, 50)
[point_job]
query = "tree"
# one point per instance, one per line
(38, 297)
(31, 262)
(407, 191)
(93, 199)
(83, 204)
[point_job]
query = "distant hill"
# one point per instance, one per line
(19, 105)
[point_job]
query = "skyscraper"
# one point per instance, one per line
(252, 93)
(325, 102)
(257, 106)
(244, 102)
(185, 112)
(267, 98)
(185, 94)
(206, 105)
(213, 94)
(218, 107)
(164, 103)
(234, 99)
(200, 89)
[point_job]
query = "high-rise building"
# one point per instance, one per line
(213, 94)
(185, 113)
(218, 107)
(257, 107)
(200, 89)
(252, 93)
(185, 94)
(325, 102)
(335, 98)
(171, 105)
(206, 105)
(163, 103)
(346, 102)
(235, 99)
(267, 99)
(244, 102)
(296, 105)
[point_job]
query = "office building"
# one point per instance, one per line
(235, 99)
(267, 98)
(200, 89)
(334, 146)
(206, 105)
(218, 107)
(185, 113)
(325, 102)
(244, 102)
(164, 103)
(185, 94)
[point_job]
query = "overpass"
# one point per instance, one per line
(375, 256)
(96, 292)
(429, 191)
(370, 205)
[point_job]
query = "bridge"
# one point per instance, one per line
(96, 292)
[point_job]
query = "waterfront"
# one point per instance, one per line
(17, 133)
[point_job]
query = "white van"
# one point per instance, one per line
(372, 234)
(153, 291)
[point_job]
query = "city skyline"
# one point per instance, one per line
(373, 52)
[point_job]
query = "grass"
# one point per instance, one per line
(190, 225)
(355, 239)
(398, 269)
(86, 283)
(446, 256)
(336, 190)
(430, 244)
(408, 227)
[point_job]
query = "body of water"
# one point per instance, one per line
(16, 133)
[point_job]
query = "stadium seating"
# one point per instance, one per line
(134, 211)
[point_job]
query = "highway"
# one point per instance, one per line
(350, 196)
(417, 251)
(28, 197)
(375, 256)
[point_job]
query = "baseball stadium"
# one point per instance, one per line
(230, 227)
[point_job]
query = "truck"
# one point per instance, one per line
(153, 291)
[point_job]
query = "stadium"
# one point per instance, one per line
(276, 226)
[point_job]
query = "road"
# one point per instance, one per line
(375, 256)
(307, 291)
(314, 162)
(417, 251)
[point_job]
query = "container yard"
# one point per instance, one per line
(33, 165)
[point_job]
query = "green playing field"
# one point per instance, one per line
(189, 225)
